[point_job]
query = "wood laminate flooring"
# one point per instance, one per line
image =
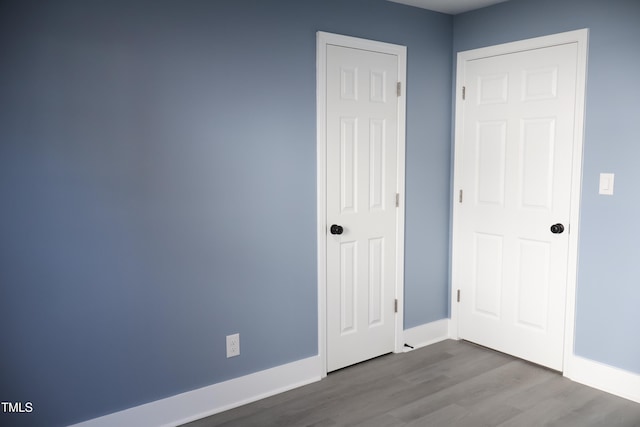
(449, 384)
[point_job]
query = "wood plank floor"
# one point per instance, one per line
(451, 383)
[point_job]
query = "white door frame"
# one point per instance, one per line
(581, 38)
(323, 39)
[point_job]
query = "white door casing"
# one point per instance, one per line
(360, 170)
(518, 157)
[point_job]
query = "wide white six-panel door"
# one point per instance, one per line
(362, 111)
(518, 140)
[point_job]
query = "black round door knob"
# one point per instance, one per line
(336, 229)
(557, 228)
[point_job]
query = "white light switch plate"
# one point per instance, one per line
(606, 184)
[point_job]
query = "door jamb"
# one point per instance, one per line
(322, 40)
(580, 37)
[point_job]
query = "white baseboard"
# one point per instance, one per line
(604, 377)
(427, 334)
(200, 403)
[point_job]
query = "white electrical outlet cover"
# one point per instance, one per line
(233, 345)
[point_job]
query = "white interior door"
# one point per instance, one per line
(361, 183)
(515, 172)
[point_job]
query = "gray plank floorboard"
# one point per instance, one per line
(451, 383)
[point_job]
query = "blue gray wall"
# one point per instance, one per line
(157, 187)
(608, 294)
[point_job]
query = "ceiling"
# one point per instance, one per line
(452, 7)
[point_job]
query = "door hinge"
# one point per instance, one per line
(464, 92)
(460, 197)
(397, 200)
(395, 306)
(399, 89)
(458, 295)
